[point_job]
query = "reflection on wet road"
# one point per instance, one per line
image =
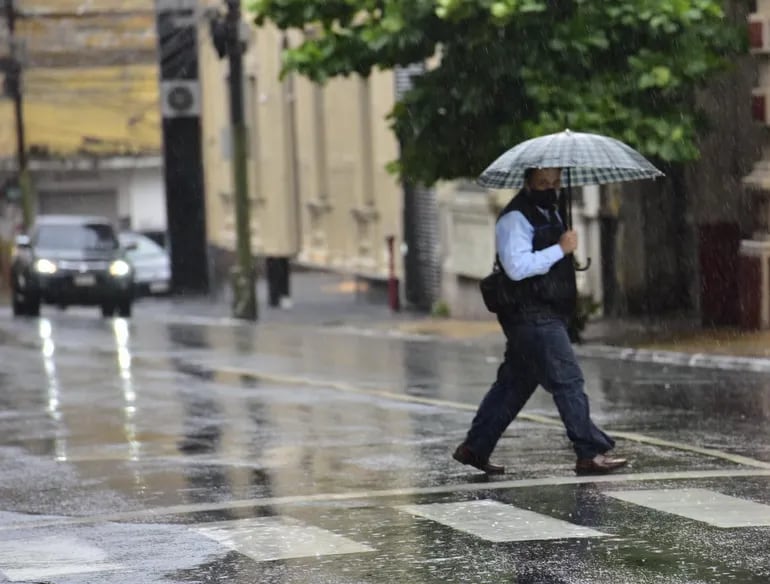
(154, 451)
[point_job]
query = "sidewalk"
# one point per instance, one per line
(674, 342)
(330, 300)
(681, 335)
(317, 298)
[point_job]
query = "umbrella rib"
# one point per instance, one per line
(603, 146)
(633, 163)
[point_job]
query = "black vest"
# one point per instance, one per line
(552, 294)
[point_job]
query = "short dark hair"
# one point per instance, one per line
(528, 174)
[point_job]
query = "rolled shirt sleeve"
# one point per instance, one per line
(513, 235)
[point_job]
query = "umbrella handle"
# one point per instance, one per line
(578, 267)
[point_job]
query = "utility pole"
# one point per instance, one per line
(13, 87)
(226, 35)
(183, 173)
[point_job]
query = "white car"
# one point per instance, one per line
(152, 265)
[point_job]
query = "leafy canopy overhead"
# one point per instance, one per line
(502, 71)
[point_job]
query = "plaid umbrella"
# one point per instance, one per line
(590, 159)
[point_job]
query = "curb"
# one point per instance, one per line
(703, 360)
(599, 351)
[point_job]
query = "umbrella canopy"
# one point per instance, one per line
(591, 159)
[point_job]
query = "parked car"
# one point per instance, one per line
(152, 264)
(71, 260)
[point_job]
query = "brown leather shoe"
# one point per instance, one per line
(599, 464)
(464, 455)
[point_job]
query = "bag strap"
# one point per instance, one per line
(496, 265)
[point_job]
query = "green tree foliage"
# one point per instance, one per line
(506, 70)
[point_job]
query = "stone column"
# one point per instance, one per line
(753, 274)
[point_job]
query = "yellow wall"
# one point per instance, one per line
(118, 106)
(348, 203)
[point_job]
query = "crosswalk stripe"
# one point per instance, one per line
(700, 505)
(155, 513)
(45, 557)
(278, 538)
(498, 522)
(281, 537)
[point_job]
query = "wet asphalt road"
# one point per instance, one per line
(171, 449)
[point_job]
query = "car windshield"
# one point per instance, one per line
(144, 245)
(88, 236)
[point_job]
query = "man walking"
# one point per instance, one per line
(534, 250)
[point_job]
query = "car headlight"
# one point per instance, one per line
(45, 267)
(119, 269)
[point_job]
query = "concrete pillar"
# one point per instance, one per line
(319, 205)
(366, 213)
(754, 274)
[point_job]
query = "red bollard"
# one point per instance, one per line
(393, 299)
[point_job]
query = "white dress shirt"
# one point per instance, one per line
(513, 240)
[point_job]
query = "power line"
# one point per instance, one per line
(122, 74)
(86, 14)
(120, 113)
(100, 58)
(127, 95)
(109, 88)
(129, 88)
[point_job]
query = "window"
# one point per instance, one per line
(94, 236)
(144, 245)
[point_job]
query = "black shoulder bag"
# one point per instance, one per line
(492, 288)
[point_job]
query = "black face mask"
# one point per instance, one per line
(545, 199)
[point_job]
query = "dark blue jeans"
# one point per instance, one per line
(538, 352)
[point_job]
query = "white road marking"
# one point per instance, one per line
(200, 320)
(710, 452)
(278, 538)
(700, 505)
(48, 556)
(157, 512)
(498, 522)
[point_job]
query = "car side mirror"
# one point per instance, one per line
(23, 241)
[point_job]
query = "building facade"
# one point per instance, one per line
(127, 190)
(319, 190)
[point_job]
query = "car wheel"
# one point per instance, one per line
(18, 300)
(26, 307)
(124, 309)
(108, 310)
(19, 308)
(33, 307)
